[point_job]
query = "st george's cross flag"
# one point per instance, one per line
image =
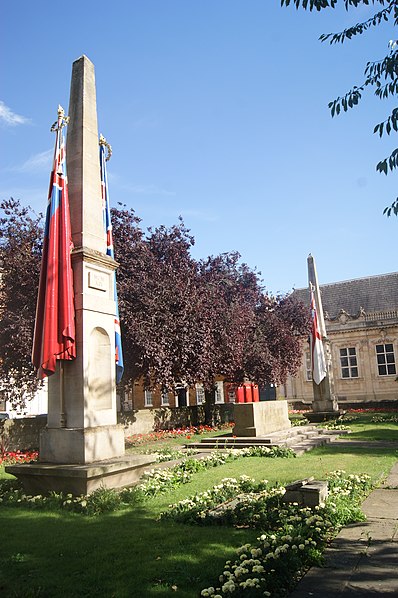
(110, 252)
(54, 334)
(318, 362)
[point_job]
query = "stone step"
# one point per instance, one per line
(300, 439)
(221, 440)
(208, 447)
(272, 438)
(308, 436)
(307, 445)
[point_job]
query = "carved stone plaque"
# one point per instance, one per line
(97, 280)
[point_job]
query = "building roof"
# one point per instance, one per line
(372, 294)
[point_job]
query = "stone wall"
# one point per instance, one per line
(24, 433)
(144, 421)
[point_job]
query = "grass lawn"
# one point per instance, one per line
(130, 554)
(367, 426)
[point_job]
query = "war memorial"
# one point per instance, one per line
(82, 446)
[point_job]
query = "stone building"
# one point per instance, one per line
(361, 318)
(183, 396)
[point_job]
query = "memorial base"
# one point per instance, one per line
(325, 406)
(316, 417)
(260, 419)
(42, 478)
(323, 410)
(81, 445)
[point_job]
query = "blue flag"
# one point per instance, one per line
(110, 252)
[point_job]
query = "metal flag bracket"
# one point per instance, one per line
(61, 122)
(103, 141)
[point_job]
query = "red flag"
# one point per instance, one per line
(54, 336)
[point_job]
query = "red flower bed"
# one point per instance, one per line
(188, 432)
(11, 457)
(374, 410)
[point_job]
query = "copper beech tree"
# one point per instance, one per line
(181, 319)
(21, 235)
(188, 320)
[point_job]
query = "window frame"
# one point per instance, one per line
(386, 363)
(308, 366)
(164, 398)
(351, 364)
(148, 398)
(199, 387)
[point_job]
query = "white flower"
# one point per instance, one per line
(229, 586)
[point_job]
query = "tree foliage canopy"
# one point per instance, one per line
(379, 75)
(188, 320)
(21, 234)
(181, 319)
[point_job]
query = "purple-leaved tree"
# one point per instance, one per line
(21, 234)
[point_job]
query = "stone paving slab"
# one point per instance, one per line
(381, 504)
(363, 559)
(380, 530)
(392, 478)
(391, 482)
(354, 570)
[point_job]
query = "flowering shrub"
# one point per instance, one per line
(299, 422)
(163, 455)
(197, 508)
(293, 540)
(334, 424)
(154, 482)
(11, 457)
(100, 501)
(138, 439)
(348, 418)
(377, 419)
(158, 481)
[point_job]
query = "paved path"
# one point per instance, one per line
(363, 558)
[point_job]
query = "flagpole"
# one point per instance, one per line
(57, 127)
(324, 402)
(104, 145)
(62, 418)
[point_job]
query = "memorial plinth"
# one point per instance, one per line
(40, 478)
(260, 419)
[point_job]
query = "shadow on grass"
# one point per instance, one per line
(125, 554)
(371, 449)
(376, 434)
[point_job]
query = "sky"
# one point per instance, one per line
(216, 111)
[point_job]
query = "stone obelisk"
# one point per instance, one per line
(82, 447)
(324, 397)
(82, 416)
